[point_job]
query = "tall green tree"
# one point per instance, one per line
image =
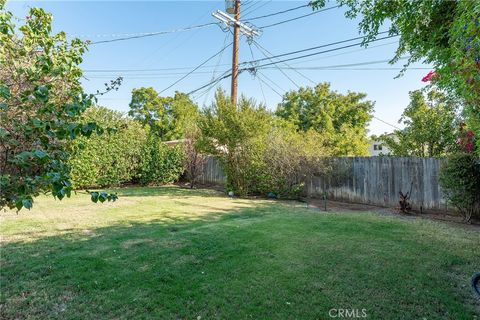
(236, 135)
(444, 33)
(167, 117)
(430, 129)
(343, 119)
(41, 99)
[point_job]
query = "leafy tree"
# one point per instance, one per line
(430, 126)
(341, 118)
(110, 159)
(444, 33)
(40, 100)
(236, 135)
(168, 117)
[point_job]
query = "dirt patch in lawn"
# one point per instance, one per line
(437, 215)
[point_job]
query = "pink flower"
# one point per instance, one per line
(469, 147)
(429, 76)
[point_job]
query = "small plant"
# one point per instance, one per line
(405, 206)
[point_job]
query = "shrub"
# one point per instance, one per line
(460, 181)
(194, 159)
(160, 163)
(291, 158)
(236, 136)
(112, 158)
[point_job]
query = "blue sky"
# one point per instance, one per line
(97, 20)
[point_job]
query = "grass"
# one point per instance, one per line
(171, 253)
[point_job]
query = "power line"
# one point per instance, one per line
(197, 67)
(278, 12)
(259, 81)
(260, 47)
(220, 78)
(276, 66)
(266, 83)
(151, 34)
(256, 68)
(299, 17)
(391, 125)
(223, 65)
(324, 46)
(248, 11)
(310, 54)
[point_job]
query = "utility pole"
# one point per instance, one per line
(227, 21)
(236, 47)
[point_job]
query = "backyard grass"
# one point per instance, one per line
(171, 253)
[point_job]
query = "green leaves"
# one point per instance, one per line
(37, 127)
(167, 117)
(341, 118)
(103, 196)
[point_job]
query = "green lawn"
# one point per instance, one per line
(171, 253)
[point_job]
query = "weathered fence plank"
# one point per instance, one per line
(369, 180)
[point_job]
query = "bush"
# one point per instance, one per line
(160, 163)
(110, 159)
(460, 181)
(194, 161)
(291, 158)
(236, 135)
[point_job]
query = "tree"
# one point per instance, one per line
(430, 126)
(41, 99)
(343, 119)
(236, 135)
(444, 33)
(168, 117)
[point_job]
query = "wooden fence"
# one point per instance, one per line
(368, 180)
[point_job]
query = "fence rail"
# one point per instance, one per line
(368, 180)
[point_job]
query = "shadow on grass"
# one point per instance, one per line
(262, 263)
(169, 191)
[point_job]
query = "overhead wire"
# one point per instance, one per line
(261, 48)
(331, 44)
(310, 54)
(197, 67)
(276, 66)
(254, 9)
(216, 67)
(299, 17)
(211, 66)
(152, 34)
(260, 75)
(385, 122)
(259, 81)
(278, 12)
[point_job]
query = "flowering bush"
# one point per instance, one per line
(466, 140)
(429, 77)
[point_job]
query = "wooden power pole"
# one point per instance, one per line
(236, 47)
